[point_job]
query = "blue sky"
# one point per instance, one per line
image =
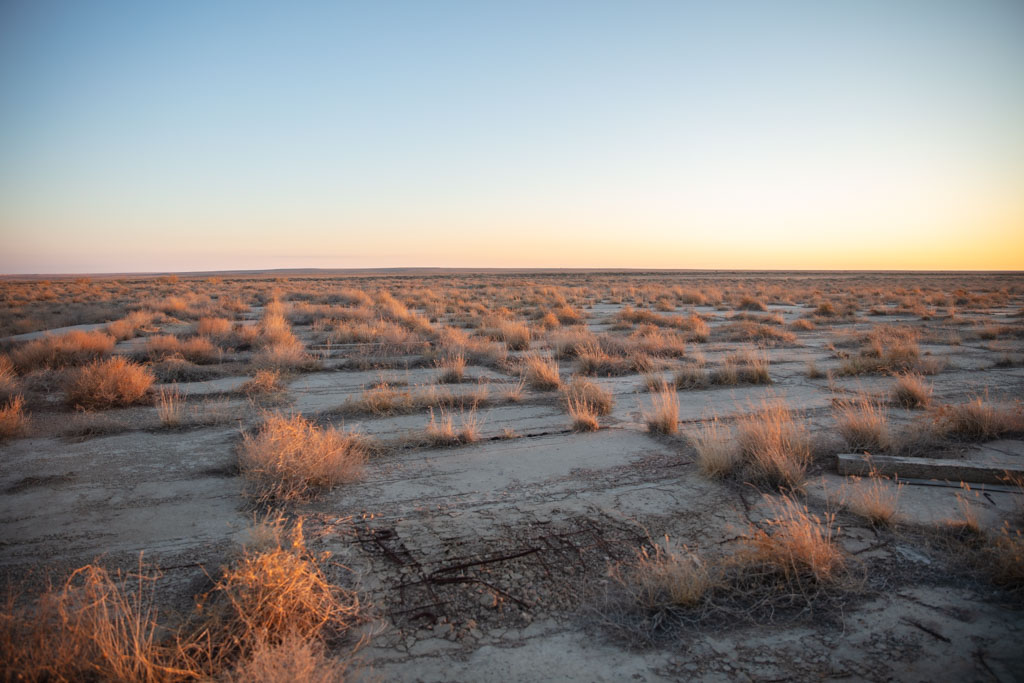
(199, 135)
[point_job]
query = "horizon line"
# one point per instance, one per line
(385, 270)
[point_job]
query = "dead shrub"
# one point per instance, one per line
(290, 458)
(218, 328)
(9, 384)
(748, 303)
(515, 335)
(108, 384)
(583, 413)
(664, 576)
(131, 325)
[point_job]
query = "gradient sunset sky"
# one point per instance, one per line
(175, 136)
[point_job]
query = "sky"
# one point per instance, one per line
(198, 135)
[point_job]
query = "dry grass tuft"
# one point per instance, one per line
(97, 626)
(581, 390)
(797, 546)
(1006, 559)
(864, 425)
(274, 595)
(775, 448)
(9, 384)
(218, 328)
(875, 500)
(979, 420)
(541, 373)
(131, 325)
(746, 367)
(441, 431)
(66, 350)
(263, 382)
(911, 391)
(170, 406)
(583, 413)
(663, 417)
(718, 455)
(108, 383)
(292, 658)
(666, 576)
(453, 367)
(13, 420)
(290, 458)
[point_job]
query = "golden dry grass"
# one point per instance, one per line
(981, 420)
(742, 367)
(292, 659)
(663, 415)
(775, 448)
(541, 373)
(66, 350)
(170, 406)
(583, 391)
(453, 368)
(263, 382)
(131, 325)
(864, 425)
(290, 458)
(275, 593)
(796, 544)
(441, 430)
(213, 327)
(13, 419)
(911, 391)
(108, 383)
(875, 498)
(718, 454)
(583, 413)
(666, 575)
(97, 626)
(9, 384)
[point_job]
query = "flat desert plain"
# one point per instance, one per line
(580, 476)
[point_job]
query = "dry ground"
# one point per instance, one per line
(484, 527)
